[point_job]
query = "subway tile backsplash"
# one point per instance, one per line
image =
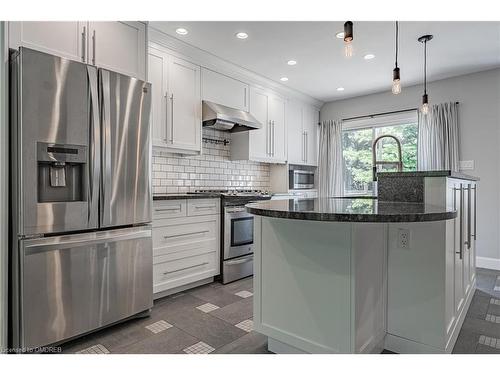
(174, 173)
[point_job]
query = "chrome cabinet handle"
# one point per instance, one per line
(205, 207)
(245, 97)
(306, 146)
(186, 268)
(93, 47)
(185, 234)
(461, 221)
(303, 146)
(272, 138)
(475, 211)
(168, 209)
(469, 217)
(268, 151)
(172, 117)
(83, 43)
(166, 116)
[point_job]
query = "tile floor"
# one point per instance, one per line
(217, 318)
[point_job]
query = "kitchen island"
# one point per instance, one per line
(355, 275)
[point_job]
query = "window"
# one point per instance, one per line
(357, 140)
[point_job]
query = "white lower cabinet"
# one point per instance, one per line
(117, 46)
(432, 281)
(176, 102)
(186, 243)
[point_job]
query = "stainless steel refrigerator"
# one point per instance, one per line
(81, 250)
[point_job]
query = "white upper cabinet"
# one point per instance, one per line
(65, 39)
(221, 89)
(277, 133)
(176, 103)
(267, 144)
(302, 130)
(117, 46)
(259, 139)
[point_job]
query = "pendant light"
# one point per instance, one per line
(396, 81)
(348, 37)
(425, 98)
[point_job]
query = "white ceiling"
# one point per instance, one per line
(457, 48)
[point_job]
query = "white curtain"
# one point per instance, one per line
(438, 138)
(330, 163)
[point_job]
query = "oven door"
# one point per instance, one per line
(238, 232)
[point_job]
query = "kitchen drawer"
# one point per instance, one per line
(185, 234)
(169, 209)
(179, 272)
(196, 207)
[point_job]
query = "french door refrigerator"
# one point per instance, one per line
(81, 250)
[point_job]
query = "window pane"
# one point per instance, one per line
(357, 145)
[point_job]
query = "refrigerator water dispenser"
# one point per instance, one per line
(61, 172)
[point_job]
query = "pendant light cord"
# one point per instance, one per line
(397, 42)
(425, 67)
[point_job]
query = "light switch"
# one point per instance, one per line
(466, 165)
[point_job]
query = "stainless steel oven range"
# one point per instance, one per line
(237, 234)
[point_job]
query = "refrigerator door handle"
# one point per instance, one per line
(41, 245)
(94, 150)
(106, 144)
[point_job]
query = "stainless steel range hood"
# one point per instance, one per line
(220, 117)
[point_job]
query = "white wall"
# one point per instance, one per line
(3, 188)
(479, 122)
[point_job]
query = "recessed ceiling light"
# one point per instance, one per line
(340, 35)
(340, 89)
(241, 35)
(292, 62)
(181, 31)
(369, 56)
(284, 79)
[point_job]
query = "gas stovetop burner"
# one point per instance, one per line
(236, 192)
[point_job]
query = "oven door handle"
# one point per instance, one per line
(239, 261)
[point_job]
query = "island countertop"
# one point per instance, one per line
(350, 210)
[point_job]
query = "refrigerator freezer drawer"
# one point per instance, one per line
(77, 283)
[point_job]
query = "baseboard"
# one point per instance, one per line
(182, 288)
(489, 263)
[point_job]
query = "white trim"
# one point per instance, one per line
(489, 263)
(215, 63)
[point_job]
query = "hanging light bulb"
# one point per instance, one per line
(425, 104)
(396, 80)
(425, 98)
(348, 37)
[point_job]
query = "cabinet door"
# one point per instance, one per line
(224, 90)
(184, 117)
(310, 125)
(157, 75)
(277, 117)
(458, 245)
(119, 46)
(64, 39)
(259, 140)
(295, 133)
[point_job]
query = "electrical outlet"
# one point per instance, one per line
(404, 238)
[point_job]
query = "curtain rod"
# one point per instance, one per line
(381, 114)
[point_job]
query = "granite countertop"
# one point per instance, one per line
(350, 209)
(442, 173)
(173, 196)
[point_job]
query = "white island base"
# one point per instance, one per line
(350, 287)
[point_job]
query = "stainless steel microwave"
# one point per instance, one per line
(300, 179)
